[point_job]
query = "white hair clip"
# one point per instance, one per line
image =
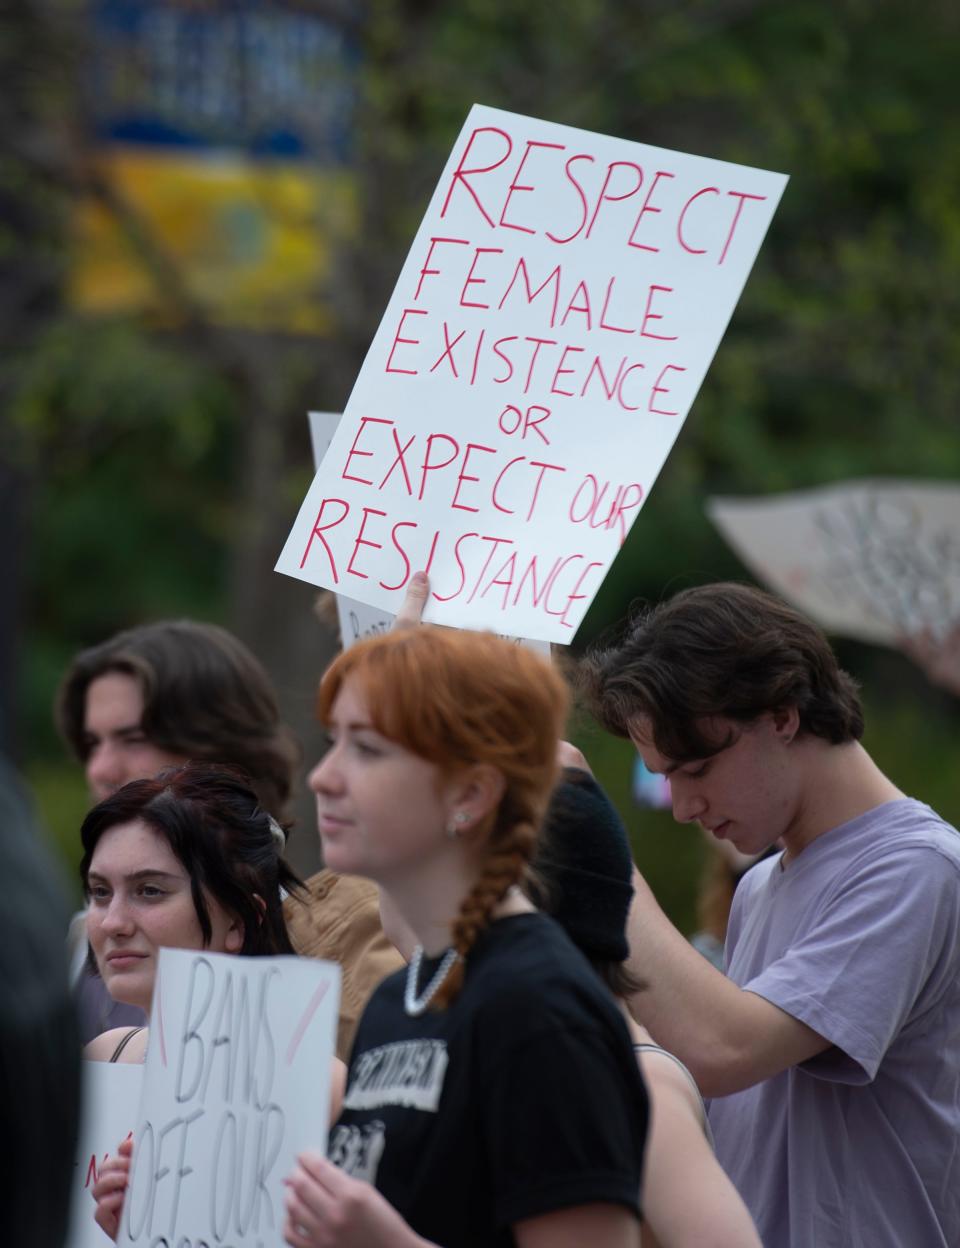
(278, 834)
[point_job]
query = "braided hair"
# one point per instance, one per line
(458, 699)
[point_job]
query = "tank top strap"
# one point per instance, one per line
(645, 1047)
(124, 1041)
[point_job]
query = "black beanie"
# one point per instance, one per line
(585, 863)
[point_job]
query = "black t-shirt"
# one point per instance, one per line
(523, 1098)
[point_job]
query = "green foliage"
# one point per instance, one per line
(840, 361)
(62, 801)
(108, 378)
(126, 444)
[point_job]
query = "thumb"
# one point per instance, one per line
(414, 600)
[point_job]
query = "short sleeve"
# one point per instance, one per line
(881, 951)
(565, 1117)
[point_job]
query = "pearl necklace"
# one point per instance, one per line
(414, 1005)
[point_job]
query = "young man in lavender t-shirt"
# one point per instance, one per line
(832, 1051)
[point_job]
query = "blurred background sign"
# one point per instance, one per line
(878, 560)
(222, 133)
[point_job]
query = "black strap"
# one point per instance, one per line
(124, 1041)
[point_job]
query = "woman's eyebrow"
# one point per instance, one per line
(353, 725)
(128, 730)
(151, 872)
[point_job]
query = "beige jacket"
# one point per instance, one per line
(340, 922)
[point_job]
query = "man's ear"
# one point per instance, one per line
(786, 723)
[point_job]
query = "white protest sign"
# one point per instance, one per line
(111, 1093)
(237, 1082)
(359, 620)
(878, 560)
(323, 425)
(549, 331)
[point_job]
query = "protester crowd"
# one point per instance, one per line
(499, 948)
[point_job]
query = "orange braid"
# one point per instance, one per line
(506, 864)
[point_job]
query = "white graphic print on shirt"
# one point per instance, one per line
(357, 1150)
(408, 1073)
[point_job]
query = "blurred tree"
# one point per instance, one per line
(164, 453)
(164, 465)
(30, 274)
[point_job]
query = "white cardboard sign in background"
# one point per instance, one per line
(236, 1083)
(550, 328)
(359, 620)
(111, 1093)
(878, 560)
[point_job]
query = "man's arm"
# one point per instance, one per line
(730, 1039)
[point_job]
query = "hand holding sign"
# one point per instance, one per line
(110, 1189)
(328, 1209)
(111, 1091)
(410, 612)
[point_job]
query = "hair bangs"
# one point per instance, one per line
(454, 697)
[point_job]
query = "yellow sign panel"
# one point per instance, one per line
(251, 242)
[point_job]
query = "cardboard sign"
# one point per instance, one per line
(876, 560)
(236, 1083)
(549, 331)
(358, 620)
(111, 1093)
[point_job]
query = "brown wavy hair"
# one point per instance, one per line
(723, 650)
(458, 698)
(205, 697)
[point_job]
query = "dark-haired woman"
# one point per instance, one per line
(186, 861)
(493, 1097)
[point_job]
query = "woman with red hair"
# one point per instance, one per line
(492, 1097)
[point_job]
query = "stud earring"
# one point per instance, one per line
(457, 824)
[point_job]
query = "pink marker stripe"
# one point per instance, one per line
(305, 1021)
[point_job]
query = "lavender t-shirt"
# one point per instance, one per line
(859, 938)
